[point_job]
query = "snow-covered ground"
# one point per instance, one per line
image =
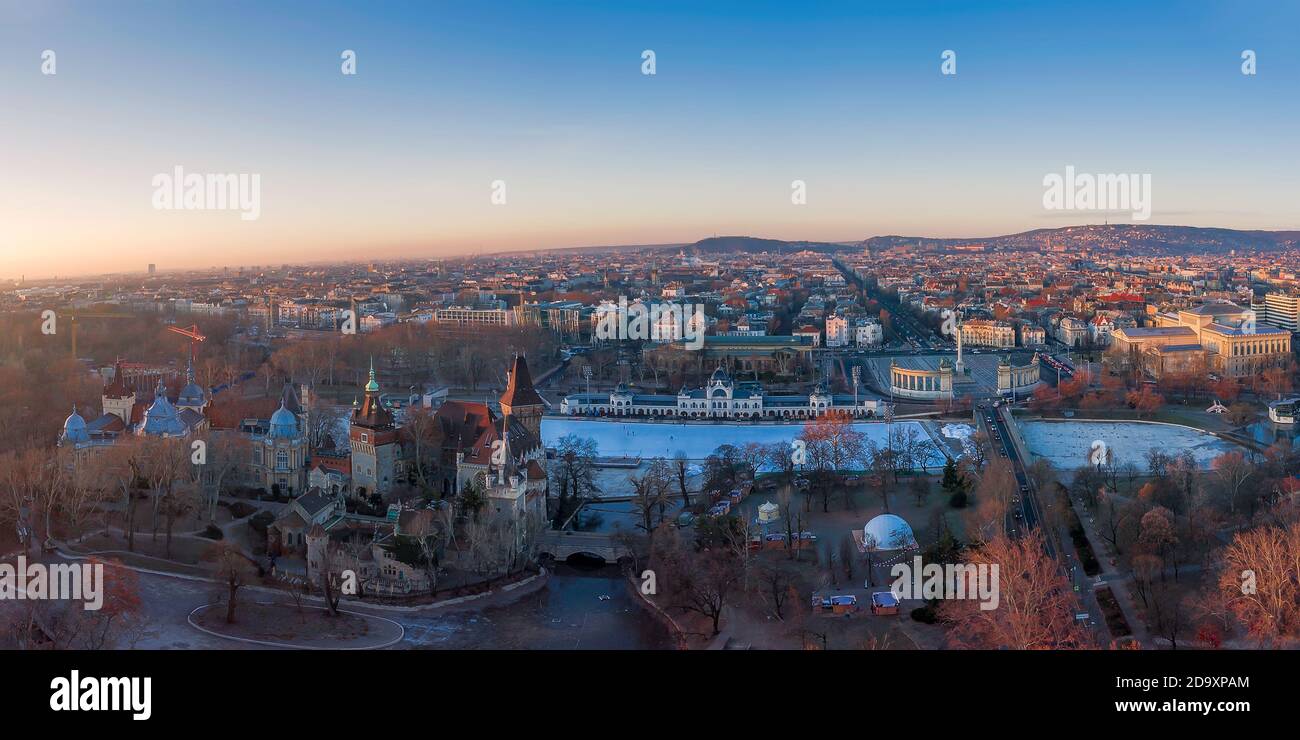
(661, 439)
(1065, 444)
(963, 433)
(957, 431)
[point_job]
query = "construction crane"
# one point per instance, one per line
(83, 315)
(193, 333)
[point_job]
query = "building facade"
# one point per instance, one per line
(985, 333)
(921, 384)
(721, 398)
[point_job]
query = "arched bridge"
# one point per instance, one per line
(560, 544)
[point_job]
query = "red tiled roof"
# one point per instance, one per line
(342, 464)
(535, 471)
(229, 412)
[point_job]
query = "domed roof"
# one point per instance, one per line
(284, 424)
(74, 428)
(192, 394)
(161, 418)
(719, 375)
(888, 532)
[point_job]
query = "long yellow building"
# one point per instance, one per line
(1222, 337)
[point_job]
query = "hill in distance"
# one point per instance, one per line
(1134, 237)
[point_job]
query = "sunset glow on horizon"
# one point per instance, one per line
(400, 159)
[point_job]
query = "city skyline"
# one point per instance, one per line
(399, 161)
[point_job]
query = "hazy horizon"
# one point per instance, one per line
(398, 161)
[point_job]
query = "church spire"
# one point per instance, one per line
(373, 385)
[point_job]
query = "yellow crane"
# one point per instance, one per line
(83, 315)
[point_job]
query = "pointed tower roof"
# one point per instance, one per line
(289, 399)
(519, 390)
(372, 413)
(117, 388)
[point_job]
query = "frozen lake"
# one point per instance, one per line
(661, 439)
(1065, 444)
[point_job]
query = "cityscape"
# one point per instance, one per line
(272, 395)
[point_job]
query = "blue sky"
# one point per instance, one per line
(549, 97)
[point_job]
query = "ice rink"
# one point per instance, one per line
(1065, 444)
(663, 439)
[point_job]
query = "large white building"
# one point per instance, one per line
(984, 333)
(837, 331)
(465, 315)
(722, 398)
(869, 333)
(1282, 310)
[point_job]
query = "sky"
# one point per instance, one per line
(548, 102)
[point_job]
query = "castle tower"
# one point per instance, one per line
(117, 398)
(521, 400)
(373, 438)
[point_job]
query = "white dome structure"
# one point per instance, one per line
(888, 532)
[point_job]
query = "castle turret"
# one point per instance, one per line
(117, 398)
(521, 400)
(373, 438)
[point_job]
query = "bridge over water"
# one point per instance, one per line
(560, 544)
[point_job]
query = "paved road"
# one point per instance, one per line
(573, 610)
(1030, 510)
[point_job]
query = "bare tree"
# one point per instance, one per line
(426, 440)
(226, 451)
(230, 566)
(1260, 581)
(681, 467)
(651, 491)
(775, 586)
(1035, 609)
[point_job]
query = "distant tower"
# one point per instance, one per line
(152, 268)
(521, 400)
